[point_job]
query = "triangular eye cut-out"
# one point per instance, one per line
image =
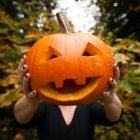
(53, 56)
(91, 50)
(55, 53)
(86, 54)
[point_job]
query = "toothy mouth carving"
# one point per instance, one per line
(70, 85)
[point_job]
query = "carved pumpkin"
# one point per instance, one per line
(70, 68)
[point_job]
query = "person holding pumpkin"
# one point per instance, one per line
(58, 122)
(66, 121)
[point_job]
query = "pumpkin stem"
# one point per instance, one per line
(63, 22)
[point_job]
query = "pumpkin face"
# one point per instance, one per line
(71, 68)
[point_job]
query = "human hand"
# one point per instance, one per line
(24, 78)
(108, 96)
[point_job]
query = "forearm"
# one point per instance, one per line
(113, 108)
(24, 109)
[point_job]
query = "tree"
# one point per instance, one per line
(121, 17)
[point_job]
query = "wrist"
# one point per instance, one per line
(32, 101)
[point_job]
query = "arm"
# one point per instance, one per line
(112, 104)
(25, 108)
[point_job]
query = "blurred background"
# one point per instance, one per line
(116, 22)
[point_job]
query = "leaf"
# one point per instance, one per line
(3, 31)
(10, 79)
(18, 40)
(4, 47)
(137, 99)
(23, 49)
(125, 86)
(34, 34)
(128, 104)
(122, 58)
(8, 98)
(113, 135)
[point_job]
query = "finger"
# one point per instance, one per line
(108, 97)
(32, 94)
(22, 73)
(116, 72)
(21, 63)
(26, 84)
(115, 60)
(112, 84)
(106, 93)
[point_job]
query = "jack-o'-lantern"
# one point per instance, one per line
(70, 68)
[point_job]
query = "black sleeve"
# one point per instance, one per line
(98, 115)
(36, 120)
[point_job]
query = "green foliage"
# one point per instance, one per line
(18, 33)
(22, 22)
(127, 53)
(120, 19)
(119, 16)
